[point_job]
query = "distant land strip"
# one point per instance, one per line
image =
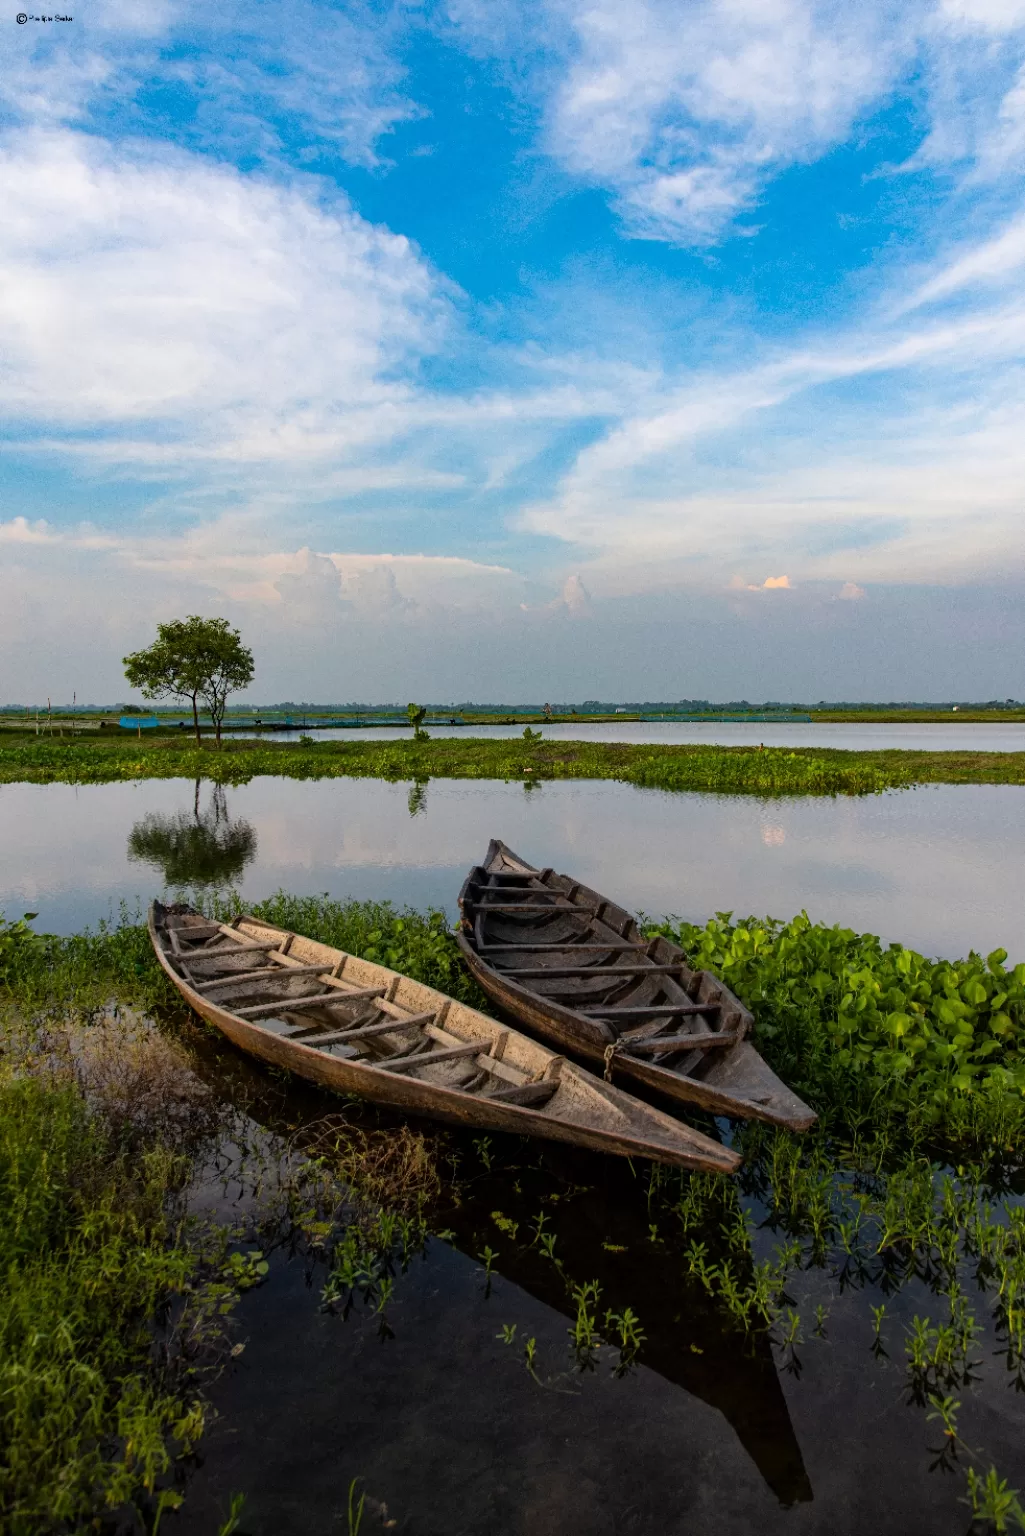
(753, 770)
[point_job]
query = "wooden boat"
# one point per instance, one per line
(575, 968)
(357, 1027)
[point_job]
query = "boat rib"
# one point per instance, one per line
(575, 968)
(357, 1027)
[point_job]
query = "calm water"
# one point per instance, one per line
(938, 868)
(443, 1425)
(852, 738)
(708, 1436)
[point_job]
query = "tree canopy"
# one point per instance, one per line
(193, 659)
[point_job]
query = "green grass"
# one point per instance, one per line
(94, 1249)
(722, 770)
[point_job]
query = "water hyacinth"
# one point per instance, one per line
(833, 1005)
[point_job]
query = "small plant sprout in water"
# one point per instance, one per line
(584, 1333)
(627, 1326)
(234, 1519)
(993, 1503)
(482, 1147)
(488, 1258)
(355, 1509)
(547, 1245)
(789, 1337)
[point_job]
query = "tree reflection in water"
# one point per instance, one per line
(204, 848)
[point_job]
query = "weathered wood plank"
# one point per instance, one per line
(229, 949)
(524, 1093)
(593, 972)
(544, 908)
(682, 1042)
(362, 1031)
(300, 1004)
(432, 1058)
(237, 978)
(618, 1008)
(568, 947)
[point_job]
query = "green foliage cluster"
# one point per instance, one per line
(192, 659)
(710, 769)
(19, 947)
(80, 973)
(89, 1259)
(865, 1028)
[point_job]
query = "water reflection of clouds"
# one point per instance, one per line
(935, 867)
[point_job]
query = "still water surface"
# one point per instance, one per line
(938, 868)
(441, 1421)
(851, 738)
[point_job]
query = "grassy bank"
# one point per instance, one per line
(724, 770)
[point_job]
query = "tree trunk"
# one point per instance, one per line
(195, 721)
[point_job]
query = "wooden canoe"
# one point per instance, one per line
(356, 1027)
(572, 966)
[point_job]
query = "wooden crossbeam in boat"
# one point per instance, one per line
(238, 978)
(432, 1058)
(683, 1042)
(619, 1008)
(525, 1093)
(230, 949)
(300, 1004)
(536, 906)
(599, 972)
(197, 930)
(356, 1031)
(361, 1032)
(565, 947)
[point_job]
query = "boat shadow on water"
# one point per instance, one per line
(600, 1216)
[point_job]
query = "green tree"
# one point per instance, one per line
(193, 659)
(417, 715)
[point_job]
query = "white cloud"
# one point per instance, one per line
(140, 287)
(988, 263)
(684, 111)
(253, 74)
(850, 592)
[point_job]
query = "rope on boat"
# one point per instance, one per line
(611, 1052)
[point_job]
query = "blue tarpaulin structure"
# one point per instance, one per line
(147, 722)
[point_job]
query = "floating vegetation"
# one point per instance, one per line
(760, 771)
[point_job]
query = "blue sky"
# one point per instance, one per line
(576, 350)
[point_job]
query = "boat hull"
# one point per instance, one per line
(582, 1112)
(730, 1080)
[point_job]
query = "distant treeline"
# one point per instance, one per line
(588, 707)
